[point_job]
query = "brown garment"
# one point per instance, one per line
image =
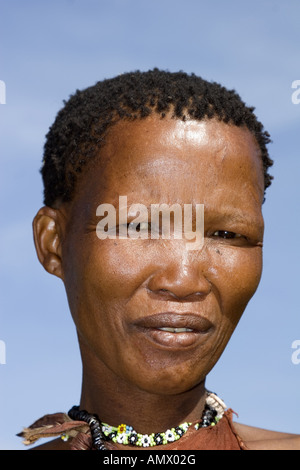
(222, 436)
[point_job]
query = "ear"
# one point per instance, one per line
(47, 232)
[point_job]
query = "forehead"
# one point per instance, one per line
(199, 157)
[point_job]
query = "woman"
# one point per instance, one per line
(153, 316)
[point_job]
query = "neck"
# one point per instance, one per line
(116, 401)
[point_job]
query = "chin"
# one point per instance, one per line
(170, 380)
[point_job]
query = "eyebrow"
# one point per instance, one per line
(235, 216)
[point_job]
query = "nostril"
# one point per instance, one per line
(169, 295)
(177, 281)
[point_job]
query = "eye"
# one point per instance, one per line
(225, 234)
(140, 227)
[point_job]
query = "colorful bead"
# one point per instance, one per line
(158, 439)
(122, 428)
(124, 434)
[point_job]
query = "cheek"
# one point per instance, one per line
(100, 264)
(101, 279)
(122, 266)
(235, 272)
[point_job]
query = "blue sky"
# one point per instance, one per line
(47, 51)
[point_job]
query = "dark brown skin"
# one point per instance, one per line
(115, 286)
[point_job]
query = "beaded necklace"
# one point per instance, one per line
(124, 434)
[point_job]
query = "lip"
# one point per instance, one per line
(196, 325)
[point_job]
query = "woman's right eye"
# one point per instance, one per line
(140, 227)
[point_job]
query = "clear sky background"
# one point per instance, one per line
(48, 49)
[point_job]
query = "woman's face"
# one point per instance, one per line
(153, 312)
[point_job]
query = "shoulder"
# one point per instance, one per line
(263, 439)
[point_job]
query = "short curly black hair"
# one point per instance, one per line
(80, 126)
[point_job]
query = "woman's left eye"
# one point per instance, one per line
(225, 234)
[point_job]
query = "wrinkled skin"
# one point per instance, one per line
(115, 286)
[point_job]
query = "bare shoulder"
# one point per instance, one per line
(263, 439)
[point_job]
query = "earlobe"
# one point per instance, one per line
(47, 232)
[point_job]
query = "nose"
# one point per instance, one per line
(180, 278)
